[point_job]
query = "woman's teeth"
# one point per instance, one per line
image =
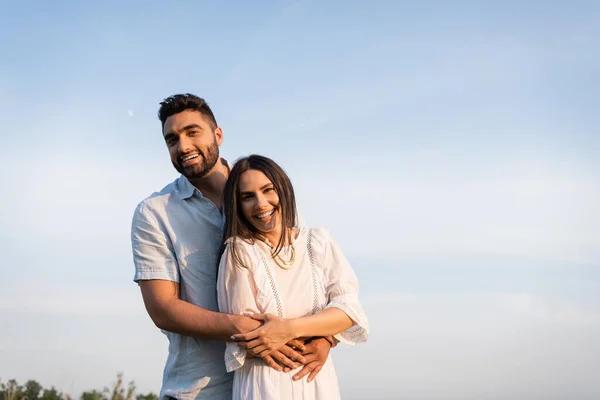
(265, 215)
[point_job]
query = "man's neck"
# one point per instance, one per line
(212, 184)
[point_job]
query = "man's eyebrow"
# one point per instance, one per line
(185, 128)
(191, 126)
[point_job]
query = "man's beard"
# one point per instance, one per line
(199, 170)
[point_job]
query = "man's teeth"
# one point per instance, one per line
(265, 215)
(190, 157)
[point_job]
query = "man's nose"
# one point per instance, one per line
(185, 144)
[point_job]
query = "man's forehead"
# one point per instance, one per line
(176, 123)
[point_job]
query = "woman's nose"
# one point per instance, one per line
(261, 201)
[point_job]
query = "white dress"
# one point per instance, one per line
(321, 278)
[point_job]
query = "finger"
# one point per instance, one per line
(314, 372)
(258, 317)
(260, 349)
(246, 336)
(251, 352)
(297, 345)
(249, 345)
(265, 352)
(310, 358)
(272, 363)
(304, 371)
(292, 354)
(284, 360)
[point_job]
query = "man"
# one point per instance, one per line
(176, 239)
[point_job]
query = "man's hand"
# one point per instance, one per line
(316, 353)
(288, 355)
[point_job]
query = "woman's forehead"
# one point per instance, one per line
(253, 179)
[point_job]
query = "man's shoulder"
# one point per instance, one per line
(158, 201)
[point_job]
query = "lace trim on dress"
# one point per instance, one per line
(272, 282)
(235, 359)
(350, 305)
(313, 271)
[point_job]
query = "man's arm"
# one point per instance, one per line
(170, 313)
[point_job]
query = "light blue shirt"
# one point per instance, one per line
(176, 235)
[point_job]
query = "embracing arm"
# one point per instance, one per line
(170, 313)
(328, 322)
(278, 331)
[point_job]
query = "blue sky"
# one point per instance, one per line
(451, 148)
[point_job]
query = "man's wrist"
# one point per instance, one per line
(242, 323)
(332, 341)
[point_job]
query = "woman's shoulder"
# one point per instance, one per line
(317, 237)
(244, 249)
(239, 240)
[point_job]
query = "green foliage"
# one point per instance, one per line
(52, 394)
(32, 390)
(149, 396)
(92, 395)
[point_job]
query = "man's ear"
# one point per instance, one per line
(218, 135)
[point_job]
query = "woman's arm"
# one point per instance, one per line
(278, 331)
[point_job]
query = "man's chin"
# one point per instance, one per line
(194, 173)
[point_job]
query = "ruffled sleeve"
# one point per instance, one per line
(236, 294)
(341, 287)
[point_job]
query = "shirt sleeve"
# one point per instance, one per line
(342, 292)
(153, 254)
(236, 294)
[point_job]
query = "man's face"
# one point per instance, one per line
(192, 142)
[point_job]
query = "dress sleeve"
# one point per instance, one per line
(342, 290)
(236, 294)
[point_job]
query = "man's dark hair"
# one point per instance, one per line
(180, 102)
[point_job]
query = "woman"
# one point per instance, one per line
(297, 276)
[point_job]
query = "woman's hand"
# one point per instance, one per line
(273, 334)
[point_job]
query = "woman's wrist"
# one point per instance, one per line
(294, 328)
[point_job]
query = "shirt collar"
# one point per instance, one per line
(185, 188)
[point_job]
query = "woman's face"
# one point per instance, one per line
(260, 204)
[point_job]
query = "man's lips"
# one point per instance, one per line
(189, 159)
